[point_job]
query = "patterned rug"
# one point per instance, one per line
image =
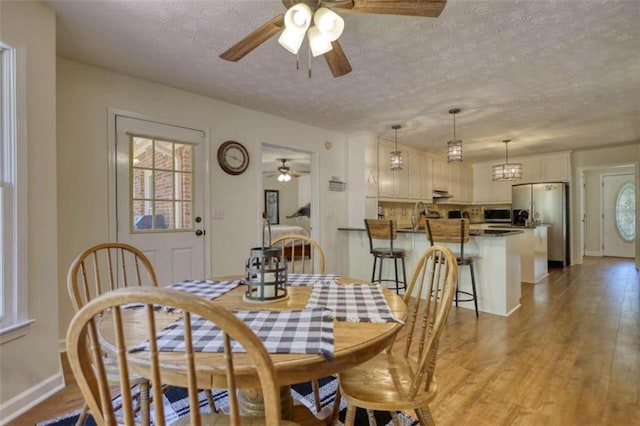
(177, 405)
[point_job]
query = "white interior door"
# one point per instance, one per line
(612, 240)
(160, 197)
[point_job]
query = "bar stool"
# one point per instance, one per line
(382, 229)
(455, 231)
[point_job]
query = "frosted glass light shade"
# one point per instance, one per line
(329, 23)
(298, 17)
(396, 160)
(454, 150)
(508, 171)
(284, 177)
(291, 40)
(318, 42)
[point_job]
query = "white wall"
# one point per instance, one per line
(583, 161)
(29, 366)
(84, 95)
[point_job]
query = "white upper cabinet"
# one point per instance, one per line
(427, 178)
(488, 191)
(405, 184)
(440, 174)
(546, 168)
(460, 183)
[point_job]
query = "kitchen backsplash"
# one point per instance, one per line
(401, 211)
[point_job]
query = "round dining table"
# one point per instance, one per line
(354, 343)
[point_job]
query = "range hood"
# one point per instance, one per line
(438, 195)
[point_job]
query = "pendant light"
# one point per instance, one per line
(396, 156)
(507, 171)
(454, 146)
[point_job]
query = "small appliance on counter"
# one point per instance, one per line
(454, 214)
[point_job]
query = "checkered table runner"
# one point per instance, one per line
(351, 302)
(309, 331)
(303, 280)
(206, 288)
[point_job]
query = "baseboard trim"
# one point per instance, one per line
(593, 253)
(28, 399)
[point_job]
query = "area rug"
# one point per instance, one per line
(177, 405)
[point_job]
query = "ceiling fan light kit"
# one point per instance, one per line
(396, 156)
(454, 146)
(507, 171)
(327, 28)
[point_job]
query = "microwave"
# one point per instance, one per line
(497, 215)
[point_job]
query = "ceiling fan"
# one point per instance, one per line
(285, 173)
(332, 50)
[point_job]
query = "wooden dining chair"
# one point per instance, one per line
(102, 268)
(90, 371)
(402, 377)
(304, 256)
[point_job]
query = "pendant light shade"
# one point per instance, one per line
(507, 171)
(396, 156)
(454, 146)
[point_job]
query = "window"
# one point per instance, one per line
(13, 168)
(626, 212)
(162, 185)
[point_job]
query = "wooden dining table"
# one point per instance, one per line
(354, 343)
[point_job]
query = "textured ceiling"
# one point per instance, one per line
(550, 75)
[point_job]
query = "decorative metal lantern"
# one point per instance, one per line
(266, 275)
(266, 270)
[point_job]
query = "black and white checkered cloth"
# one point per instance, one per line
(351, 302)
(309, 331)
(303, 280)
(205, 288)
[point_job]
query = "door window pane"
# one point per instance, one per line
(161, 185)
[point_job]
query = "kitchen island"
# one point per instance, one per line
(496, 255)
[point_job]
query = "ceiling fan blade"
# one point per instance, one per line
(337, 60)
(253, 40)
(428, 8)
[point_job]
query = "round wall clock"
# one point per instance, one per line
(233, 157)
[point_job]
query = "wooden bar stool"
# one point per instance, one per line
(455, 231)
(382, 229)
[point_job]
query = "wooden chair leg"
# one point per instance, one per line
(316, 394)
(336, 406)
(83, 415)
(351, 415)
(212, 403)
(144, 403)
(372, 418)
(424, 416)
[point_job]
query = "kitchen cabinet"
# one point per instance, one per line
(405, 184)
(427, 179)
(440, 174)
(488, 191)
(460, 183)
(547, 168)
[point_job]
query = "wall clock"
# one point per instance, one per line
(233, 157)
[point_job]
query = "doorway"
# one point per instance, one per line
(287, 181)
(160, 198)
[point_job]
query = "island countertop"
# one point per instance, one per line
(473, 232)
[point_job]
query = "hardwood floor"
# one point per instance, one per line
(569, 356)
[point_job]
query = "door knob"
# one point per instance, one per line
(199, 232)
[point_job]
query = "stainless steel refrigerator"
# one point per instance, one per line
(546, 203)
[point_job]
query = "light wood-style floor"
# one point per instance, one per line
(569, 356)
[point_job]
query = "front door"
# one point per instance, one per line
(618, 219)
(160, 197)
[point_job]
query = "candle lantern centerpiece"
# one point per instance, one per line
(266, 272)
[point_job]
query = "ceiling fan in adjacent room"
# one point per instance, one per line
(285, 173)
(318, 20)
